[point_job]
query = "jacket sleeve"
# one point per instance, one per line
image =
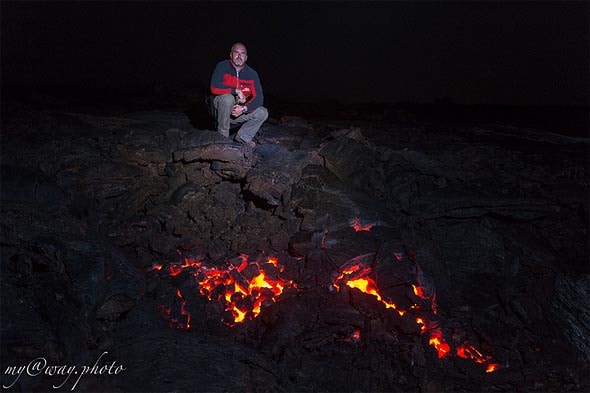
(258, 99)
(217, 85)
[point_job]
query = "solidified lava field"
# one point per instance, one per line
(341, 254)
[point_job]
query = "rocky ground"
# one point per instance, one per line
(98, 211)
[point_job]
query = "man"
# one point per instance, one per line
(237, 96)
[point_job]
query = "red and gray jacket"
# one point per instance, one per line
(226, 79)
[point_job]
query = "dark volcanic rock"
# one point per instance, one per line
(348, 159)
(57, 279)
(110, 224)
(209, 363)
(272, 178)
(570, 315)
(228, 161)
(290, 132)
(25, 185)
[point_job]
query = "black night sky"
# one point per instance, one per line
(516, 53)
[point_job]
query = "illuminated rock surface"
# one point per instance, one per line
(337, 255)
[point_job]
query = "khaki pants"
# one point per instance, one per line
(251, 122)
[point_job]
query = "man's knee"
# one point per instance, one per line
(260, 114)
(225, 100)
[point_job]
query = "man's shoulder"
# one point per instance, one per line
(251, 70)
(223, 63)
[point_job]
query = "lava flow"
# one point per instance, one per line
(364, 284)
(360, 227)
(359, 276)
(244, 288)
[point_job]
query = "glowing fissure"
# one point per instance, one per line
(367, 285)
(358, 276)
(247, 288)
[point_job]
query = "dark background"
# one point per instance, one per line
(512, 53)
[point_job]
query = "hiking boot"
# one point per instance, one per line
(251, 144)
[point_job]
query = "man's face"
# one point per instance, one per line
(238, 55)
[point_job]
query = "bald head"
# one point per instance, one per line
(239, 44)
(238, 55)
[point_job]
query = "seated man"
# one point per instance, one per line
(237, 96)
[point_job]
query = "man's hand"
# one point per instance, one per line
(241, 96)
(236, 111)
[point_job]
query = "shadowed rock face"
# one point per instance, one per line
(490, 223)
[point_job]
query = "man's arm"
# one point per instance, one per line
(218, 86)
(258, 98)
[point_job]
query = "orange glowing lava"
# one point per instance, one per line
(358, 276)
(492, 367)
(244, 290)
(418, 291)
(243, 299)
(246, 287)
(367, 285)
(354, 337)
(175, 269)
(439, 343)
(469, 352)
(359, 227)
(422, 325)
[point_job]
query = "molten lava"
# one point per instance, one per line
(359, 227)
(439, 343)
(359, 276)
(366, 285)
(244, 299)
(468, 351)
(244, 289)
(354, 337)
(492, 367)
